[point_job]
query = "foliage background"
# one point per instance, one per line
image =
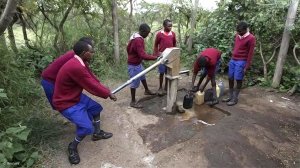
(23, 101)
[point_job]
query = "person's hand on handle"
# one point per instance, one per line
(159, 56)
(202, 89)
(112, 97)
(194, 88)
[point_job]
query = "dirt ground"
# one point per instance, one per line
(262, 130)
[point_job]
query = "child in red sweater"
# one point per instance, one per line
(49, 74)
(164, 39)
(136, 54)
(68, 99)
(208, 62)
(240, 62)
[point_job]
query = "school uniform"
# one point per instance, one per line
(241, 56)
(213, 57)
(163, 40)
(49, 74)
(136, 54)
(72, 78)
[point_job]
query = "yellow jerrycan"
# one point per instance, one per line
(199, 98)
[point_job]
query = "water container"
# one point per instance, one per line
(220, 88)
(208, 95)
(199, 98)
(218, 91)
(188, 101)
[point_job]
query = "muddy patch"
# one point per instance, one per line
(174, 129)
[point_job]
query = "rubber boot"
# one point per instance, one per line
(73, 154)
(230, 96)
(100, 134)
(235, 99)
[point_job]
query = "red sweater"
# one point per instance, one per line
(244, 49)
(51, 71)
(212, 56)
(164, 40)
(71, 79)
(136, 50)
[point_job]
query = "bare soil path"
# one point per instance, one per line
(262, 130)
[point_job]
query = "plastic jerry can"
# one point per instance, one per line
(220, 89)
(188, 101)
(199, 98)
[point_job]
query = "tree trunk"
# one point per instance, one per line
(293, 90)
(42, 32)
(295, 55)
(116, 32)
(3, 46)
(23, 24)
(61, 27)
(285, 42)
(179, 31)
(130, 19)
(87, 20)
(7, 15)
(264, 62)
(104, 12)
(193, 23)
(11, 38)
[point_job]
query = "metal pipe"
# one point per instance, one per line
(161, 60)
(136, 76)
(185, 72)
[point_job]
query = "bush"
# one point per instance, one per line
(13, 152)
(18, 96)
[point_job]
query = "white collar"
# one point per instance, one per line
(79, 59)
(135, 35)
(168, 33)
(244, 36)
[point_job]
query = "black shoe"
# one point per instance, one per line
(226, 99)
(232, 102)
(73, 154)
(101, 135)
(149, 92)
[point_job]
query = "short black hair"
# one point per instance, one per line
(80, 46)
(202, 62)
(88, 40)
(144, 27)
(242, 26)
(166, 21)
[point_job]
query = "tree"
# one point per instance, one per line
(193, 24)
(285, 42)
(116, 32)
(3, 45)
(58, 27)
(7, 15)
(130, 18)
(11, 38)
